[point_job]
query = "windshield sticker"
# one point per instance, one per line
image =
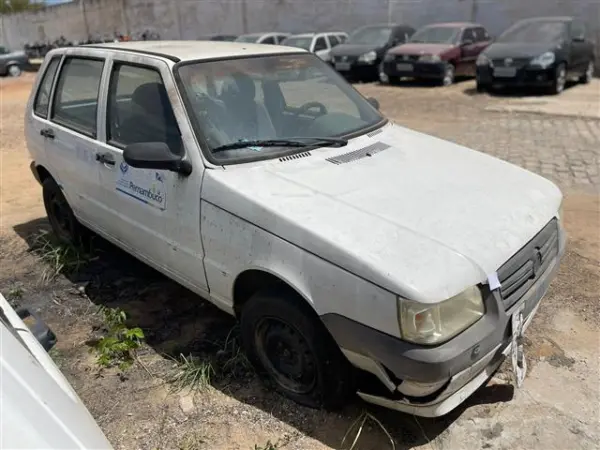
(146, 186)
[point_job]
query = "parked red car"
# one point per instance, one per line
(439, 51)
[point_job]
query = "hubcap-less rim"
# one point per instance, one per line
(14, 71)
(285, 355)
(449, 76)
(561, 79)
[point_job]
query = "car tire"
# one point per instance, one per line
(60, 215)
(589, 73)
(560, 79)
(481, 88)
(449, 75)
(14, 70)
(293, 352)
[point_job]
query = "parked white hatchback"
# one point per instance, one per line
(337, 238)
(317, 43)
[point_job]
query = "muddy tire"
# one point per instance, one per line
(292, 351)
(60, 215)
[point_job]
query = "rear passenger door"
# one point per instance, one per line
(154, 214)
(71, 133)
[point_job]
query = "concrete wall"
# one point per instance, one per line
(190, 19)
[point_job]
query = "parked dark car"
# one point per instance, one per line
(360, 57)
(12, 63)
(439, 52)
(224, 37)
(545, 52)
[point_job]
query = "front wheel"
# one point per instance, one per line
(560, 79)
(292, 351)
(589, 73)
(14, 71)
(448, 75)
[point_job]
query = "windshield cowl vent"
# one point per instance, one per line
(365, 152)
(374, 133)
(296, 156)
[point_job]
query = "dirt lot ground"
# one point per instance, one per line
(558, 407)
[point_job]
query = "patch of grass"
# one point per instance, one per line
(59, 257)
(15, 293)
(267, 446)
(192, 373)
(192, 441)
(119, 344)
(232, 359)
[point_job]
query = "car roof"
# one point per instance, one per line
(549, 19)
(453, 25)
(307, 35)
(195, 50)
(266, 33)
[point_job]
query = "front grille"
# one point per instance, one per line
(521, 271)
(344, 59)
(400, 58)
(514, 62)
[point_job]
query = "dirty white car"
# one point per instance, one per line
(337, 238)
(40, 409)
(317, 43)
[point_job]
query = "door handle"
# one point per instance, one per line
(105, 158)
(47, 133)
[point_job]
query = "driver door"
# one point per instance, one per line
(469, 50)
(154, 214)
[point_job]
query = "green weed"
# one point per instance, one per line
(119, 344)
(267, 446)
(192, 373)
(59, 257)
(15, 293)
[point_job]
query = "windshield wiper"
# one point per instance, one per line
(287, 142)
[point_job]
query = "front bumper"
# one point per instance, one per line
(460, 365)
(526, 76)
(357, 69)
(415, 69)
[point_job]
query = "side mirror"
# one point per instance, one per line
(466, 42)
(374, 102)
(155, 155)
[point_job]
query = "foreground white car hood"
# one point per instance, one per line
(425, 218)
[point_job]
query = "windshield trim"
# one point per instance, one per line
(199, 135)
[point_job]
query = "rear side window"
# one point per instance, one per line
(268, 40)
(139, 109)
(469, 35)
(320, 44)
(481, 35)
(42, 99)
(76, 98)
(333, 40)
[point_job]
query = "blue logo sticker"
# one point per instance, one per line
(124, 167)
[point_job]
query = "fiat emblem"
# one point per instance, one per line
(508, 62)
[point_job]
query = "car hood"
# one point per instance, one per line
(500, 50)
(420, 49)
(424, 218)
(352, 49)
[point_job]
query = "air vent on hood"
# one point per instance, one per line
(369, 150)
(374, 133)
(296, 156)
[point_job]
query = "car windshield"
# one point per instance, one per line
(436, 35)
(293, 99)
(249, 38)
(300, 42)
(371, 36)
(550, 31)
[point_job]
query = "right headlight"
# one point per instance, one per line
(433, 324)
(389, 57)
(545, 60)
(483, 60)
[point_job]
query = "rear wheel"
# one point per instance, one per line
(589, 73)
(60, 215)
(292, 351)
(14, 70)
(560, 79)
(481, 88)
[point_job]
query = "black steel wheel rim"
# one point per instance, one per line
(285, 355)
(59, 215)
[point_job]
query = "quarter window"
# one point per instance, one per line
(139, 109)
(42, 100)
(76, 98)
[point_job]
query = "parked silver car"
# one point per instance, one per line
(318, 43)
(12, 63)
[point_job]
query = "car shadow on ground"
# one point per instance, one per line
(518, 92)
(177, 322)
(423, 83)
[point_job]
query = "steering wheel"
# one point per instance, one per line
(310, 105)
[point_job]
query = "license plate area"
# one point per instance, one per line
(505, 72)
(404, 67)
(342, 66)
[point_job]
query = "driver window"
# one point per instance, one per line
(320, 44)
(268, 40)
(139, 109)
(577, 30)
(468, 35)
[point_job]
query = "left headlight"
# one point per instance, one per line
(545, 60)
(430, 58)
(368, 57)
(483, 60)
(433, 324)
